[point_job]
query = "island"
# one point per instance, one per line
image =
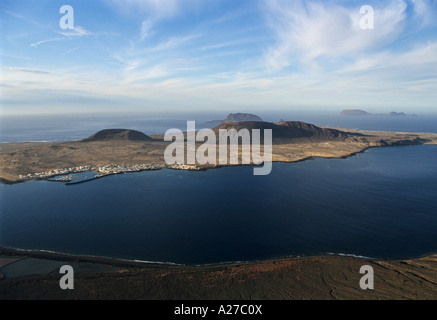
(356, 112)
(116, 151)
(239, 117)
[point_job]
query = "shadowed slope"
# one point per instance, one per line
(118, 134)
(287, 130)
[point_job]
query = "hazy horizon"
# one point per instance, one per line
(221, 56)
(218, 114)
(67, 127)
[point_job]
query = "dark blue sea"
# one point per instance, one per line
(379, 204)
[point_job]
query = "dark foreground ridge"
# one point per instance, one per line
(118, 134)
(308, 278)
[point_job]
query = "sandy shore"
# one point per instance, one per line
(321, 277)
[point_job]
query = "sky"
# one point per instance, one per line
(129, 56)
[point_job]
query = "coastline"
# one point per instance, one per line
(277, 158)
(62, 256)
(53, 255)
(321, 277)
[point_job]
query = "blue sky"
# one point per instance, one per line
(212, 55)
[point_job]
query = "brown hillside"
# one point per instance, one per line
(287, 130)
(118, 134)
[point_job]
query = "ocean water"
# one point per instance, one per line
(75, 127)
(69, 128)
(379, 204)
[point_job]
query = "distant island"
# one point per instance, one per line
(239, 117)
(357, 112)
(354, 113)
(114, 151)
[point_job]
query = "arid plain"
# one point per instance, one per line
(325, 277)
(292, 143)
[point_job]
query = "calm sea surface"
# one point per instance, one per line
(76, 127)
(381, 204)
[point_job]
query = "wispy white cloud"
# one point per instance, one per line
(134, 75)
(425, 10)
(173, 42)
(153, 11)
(16, 57)
(70, 51)
(36, 44)
(406, 68)
(226, 44)
(160, 8)
(76, 32)
(333, 63)
(67, 35)
(137, 65)
(381, 79)
(23, 18)
(146, 28)
(26, 70)
(309, 30)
